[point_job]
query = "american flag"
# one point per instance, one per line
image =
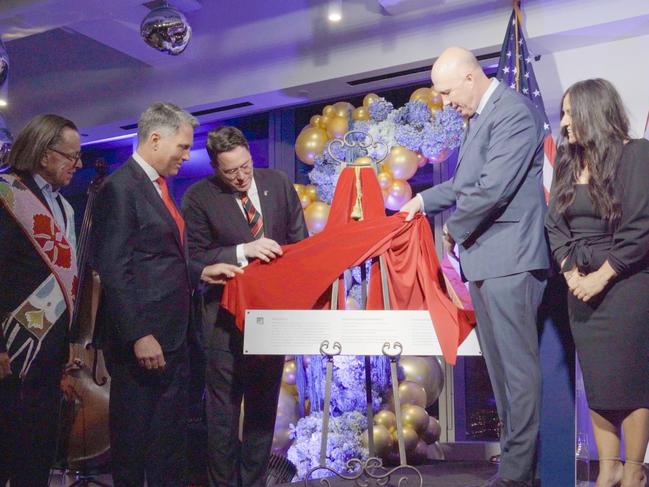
(515, 68)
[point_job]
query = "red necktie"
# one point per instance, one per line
(171, 206)
(255, 221)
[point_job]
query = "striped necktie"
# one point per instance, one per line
(255, 221)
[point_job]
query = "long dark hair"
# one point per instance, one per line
(40, 133)
(600, 126)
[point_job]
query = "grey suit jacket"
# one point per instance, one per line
(497, 190)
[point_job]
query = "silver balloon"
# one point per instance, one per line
(6, 140)
(4, 64)
(166, 29)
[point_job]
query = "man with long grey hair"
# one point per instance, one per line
(140, 252)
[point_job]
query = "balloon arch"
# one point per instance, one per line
(421, 132)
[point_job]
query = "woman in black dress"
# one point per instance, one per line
(598, 227)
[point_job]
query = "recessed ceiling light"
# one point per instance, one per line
(335, 10)
(3, 102)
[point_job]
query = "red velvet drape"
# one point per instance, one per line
(302, 277)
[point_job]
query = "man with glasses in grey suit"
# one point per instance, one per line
(497, 224)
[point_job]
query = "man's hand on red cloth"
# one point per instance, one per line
(264, 249)
(219, 273)
(412, 207)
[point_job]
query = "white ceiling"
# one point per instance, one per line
(85, 58)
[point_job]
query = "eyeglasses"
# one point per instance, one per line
(232, 173)
(73, 158)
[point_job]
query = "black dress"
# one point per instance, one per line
(611, 331)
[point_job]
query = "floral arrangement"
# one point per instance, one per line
(348, 383)
(345, 441)
(414, 126)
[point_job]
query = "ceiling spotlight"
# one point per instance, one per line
(335, 10)
(3, 102)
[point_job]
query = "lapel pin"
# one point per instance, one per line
(265, 192)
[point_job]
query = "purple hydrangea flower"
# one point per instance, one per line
(451, 124)
(408, 136)
(417, 114)
(380, 109)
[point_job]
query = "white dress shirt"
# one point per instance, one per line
(151, 173)
(51, 196)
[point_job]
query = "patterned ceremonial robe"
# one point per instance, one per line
(37, 276)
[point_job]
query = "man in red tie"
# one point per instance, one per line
(238, 215)
(147, 280)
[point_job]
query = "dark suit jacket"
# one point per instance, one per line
(142, 264)
(498, 191)
(216, 225)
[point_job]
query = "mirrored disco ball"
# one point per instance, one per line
(166, 29)
(6, 140)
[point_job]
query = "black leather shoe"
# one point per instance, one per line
(503, 482)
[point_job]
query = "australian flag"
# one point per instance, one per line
(515, 68)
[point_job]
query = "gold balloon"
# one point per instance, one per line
(386, 418)
(299, 188)
(316, 121)
(432, 432)
(290, 371)
(436, 100)
(342, 108)
(328, 111)
(421, 452)
(435, 452)
(382, 440)
(441, 157)
(422, 94)
(316, 215)
(310, 143)
(337, 127)
(414, 417)
(281, 441)
(287, 413)
(425, 371)
(421, 160)
(410, 438)
(324, 121)
(402, 162)
(311, 191)
(360, 113)
(305, 200)
(412, 393)
(369, 99)
(291, 389)
(397, 194)
(385, 179)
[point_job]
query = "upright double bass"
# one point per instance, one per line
(85, 432)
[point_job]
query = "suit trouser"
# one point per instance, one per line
(231, 376)
(507, 314)
(148, 420)
(29, 412)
